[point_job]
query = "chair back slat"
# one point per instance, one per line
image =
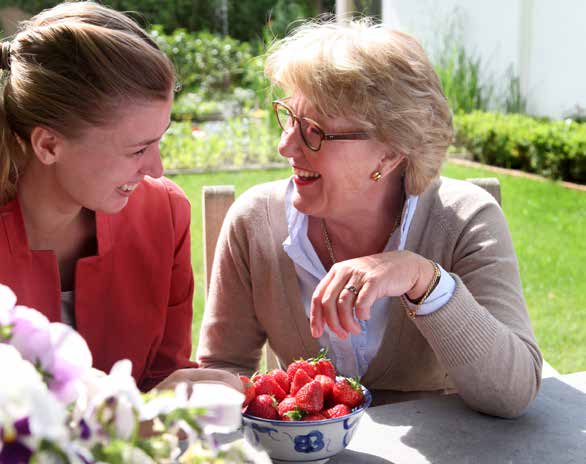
(216, 200)
(490, 184)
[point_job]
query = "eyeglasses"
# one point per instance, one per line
(311, 133)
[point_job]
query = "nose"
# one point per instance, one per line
(153, 164)
(291, 144)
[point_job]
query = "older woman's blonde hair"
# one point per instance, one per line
(375, 75)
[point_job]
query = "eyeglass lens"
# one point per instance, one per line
(312, 134)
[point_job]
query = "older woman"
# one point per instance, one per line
(410, 280)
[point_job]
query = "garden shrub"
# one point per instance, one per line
(239, 141)
(555, 149)
(205, 62)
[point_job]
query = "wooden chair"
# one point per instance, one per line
(215, 203)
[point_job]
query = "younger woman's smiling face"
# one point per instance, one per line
(100, 169)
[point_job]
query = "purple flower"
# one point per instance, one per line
(14, 452)
(58, 352)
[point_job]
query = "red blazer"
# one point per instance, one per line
(133, 299)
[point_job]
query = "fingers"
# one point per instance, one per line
(333, 304)
(345, 308)
(316, 320)
(192, 375)
(364, 301)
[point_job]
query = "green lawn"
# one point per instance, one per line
(547, 222)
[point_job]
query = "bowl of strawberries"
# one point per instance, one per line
(304, 414)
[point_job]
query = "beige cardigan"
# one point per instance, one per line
(480, 343)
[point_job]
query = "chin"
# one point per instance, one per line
(305, 207)
(113, 208)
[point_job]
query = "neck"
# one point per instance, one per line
(363, 232)
(46, 213)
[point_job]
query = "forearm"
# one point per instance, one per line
(496, 369)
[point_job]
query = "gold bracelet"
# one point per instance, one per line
(403, 299)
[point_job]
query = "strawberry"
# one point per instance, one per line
(299, 379)
(288, 404)
(288, 410)
(348, 391)
(313, 417)
(282, 379)
(327, 385)
(310, 397)
(249, 390)
(266, 384)
(338, 410)
(323, 366)
(300, 364)
(264, 406)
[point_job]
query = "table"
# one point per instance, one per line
(445, 431)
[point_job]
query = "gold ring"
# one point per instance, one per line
(352, 288)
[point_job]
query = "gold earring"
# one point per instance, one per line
(376, 176)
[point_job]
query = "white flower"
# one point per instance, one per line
(24, 395)
(114, 397)
(223, 406)
(57, 350)
(21, 384)
(7, 302)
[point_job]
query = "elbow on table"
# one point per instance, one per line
(506, 404)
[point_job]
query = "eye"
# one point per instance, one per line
(139, 152)
(313, 130)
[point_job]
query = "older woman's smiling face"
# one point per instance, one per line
(334, 181)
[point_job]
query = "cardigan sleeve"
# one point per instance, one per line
(483, 335)
(174, 350)
(231, 336)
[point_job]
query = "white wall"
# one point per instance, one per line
(542, 40)
(557, 64)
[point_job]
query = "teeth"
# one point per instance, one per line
(128, 187)
(302, 173)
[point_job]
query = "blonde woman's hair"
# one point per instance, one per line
(69, 68)
(379, 77)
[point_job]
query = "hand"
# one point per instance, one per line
(385, 274)
(191, 376)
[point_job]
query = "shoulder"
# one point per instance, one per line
(258, 215)
(157, 195)
(463, 194)
(451, 207)
(164, 188)
(458, 199)
(261, 199)
(157, 204)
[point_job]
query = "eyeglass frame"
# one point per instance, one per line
(324, 136)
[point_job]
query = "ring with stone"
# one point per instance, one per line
(352, 289)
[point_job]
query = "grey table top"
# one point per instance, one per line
(446, 431)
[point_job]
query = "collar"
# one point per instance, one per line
(14, 229)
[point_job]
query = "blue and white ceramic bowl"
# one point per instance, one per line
(311, 441)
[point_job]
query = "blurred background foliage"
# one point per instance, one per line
(241, 19)
(222, 112)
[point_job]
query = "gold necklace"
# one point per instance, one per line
(328, 242)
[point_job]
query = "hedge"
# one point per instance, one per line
(205, 62)
(555, 149)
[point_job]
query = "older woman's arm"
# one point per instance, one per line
(483, 335)
(231, 337)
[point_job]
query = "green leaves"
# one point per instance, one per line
(555, 149)
(203, 61)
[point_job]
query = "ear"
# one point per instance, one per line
(45, 143)
(390, 162)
